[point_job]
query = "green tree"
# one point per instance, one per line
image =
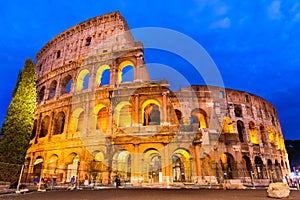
(18, 124)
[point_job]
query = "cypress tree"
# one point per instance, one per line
(18, 124)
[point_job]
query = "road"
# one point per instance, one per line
(147, 194)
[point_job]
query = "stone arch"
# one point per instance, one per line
(262, 132)
(78, 123)
(241, 130)
(199, 116)
(278, 171)
(72, 163)
(123, 114)
(52, 163)
(34, 129)
(238, 111)
(102, 117)
(44, 126)
(41, 94)
(259, 167)
(121, 70)
(100, 75)
(228, 165)
(52, 89)
(152, 165)
(83, 80)
(122, 164)
(270, 169)
(247, 166)
(270, 134)
(38, 166)
(66, 85)
(151, 112)
(98, 167)
(227, 125)
(59, 123)
(253, 133)
(181, 165)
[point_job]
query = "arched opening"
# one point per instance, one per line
(259, 167)
(227, 125)
(123, 114)
(72, 162)
(181, 166)
(199, 116)
(80, 124)
(228, 166)
(103, 75)
(270, 170)
(52, 164)
(44, 127)
(52, 89)
(206, 166)
(102, 119)
(33, 133)
(152, 166)
(238, 111)
(59, 123)
(247, 166)
(179, 116)
(98, 167)
(122, 165)
(263, 134)
(41, 95)
(83, 80)
(126, 72)
(66, 85)
(253, 133)
(88, 41)
(151, 113)
(241, 130)
(38, 166)
(271, 134)
(278, 171)
(77, 123)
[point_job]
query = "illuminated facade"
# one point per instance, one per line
(138, 128)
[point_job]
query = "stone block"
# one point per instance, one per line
(278, 190)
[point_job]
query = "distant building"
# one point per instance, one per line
(140, 130)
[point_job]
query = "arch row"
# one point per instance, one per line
(255, 134)
(85, 79)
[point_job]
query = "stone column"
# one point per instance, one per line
(164, 108)
(136, 166)
(197, 163)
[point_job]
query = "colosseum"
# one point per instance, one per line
(100, 116)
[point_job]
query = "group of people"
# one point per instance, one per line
(44, 181)
(292, 181)
(86, 181)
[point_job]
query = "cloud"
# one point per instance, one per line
(274, 10)
(223, 23)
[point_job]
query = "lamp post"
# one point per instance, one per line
(21, 174)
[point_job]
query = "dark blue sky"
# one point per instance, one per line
(255, 44)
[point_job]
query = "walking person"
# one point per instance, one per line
(117, 181)
(86, 180)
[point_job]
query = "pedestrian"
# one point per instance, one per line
(86, 180)
(73, 181)
(35, 180)
(117, 181)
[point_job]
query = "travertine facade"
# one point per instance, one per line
(138, 128)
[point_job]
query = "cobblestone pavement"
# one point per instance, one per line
(146, 194)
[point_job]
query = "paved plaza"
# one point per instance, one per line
(147, 194)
